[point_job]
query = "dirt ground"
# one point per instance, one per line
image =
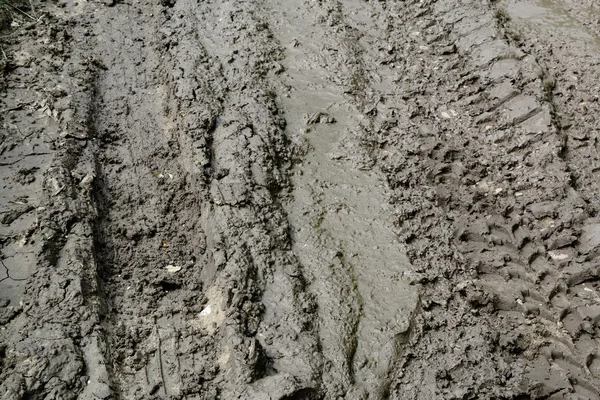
(300, 199)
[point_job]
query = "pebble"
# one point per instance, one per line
(206, 311)
(558, 256)
(173, 268)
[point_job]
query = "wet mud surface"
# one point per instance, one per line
(333, 199)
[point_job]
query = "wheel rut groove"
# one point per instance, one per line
(352, 261)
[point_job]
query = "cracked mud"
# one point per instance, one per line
(304, 199)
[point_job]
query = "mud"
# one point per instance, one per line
(333, 199)
(342, 228)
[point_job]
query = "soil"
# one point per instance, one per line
(301, 199)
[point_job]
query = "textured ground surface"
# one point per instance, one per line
(300, 199)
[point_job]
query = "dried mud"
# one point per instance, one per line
(320, 199)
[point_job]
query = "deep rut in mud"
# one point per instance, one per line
(332, 199)
(147, 229)
(341, 226)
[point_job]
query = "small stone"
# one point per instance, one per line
(87, 180)
(173, 268)
(557, 256)
(206, 311)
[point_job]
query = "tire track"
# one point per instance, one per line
(573, 296)
(353, 263)
(481, 167)
(54, 339)
(187, 183)
(149, 242)
(278, 357)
